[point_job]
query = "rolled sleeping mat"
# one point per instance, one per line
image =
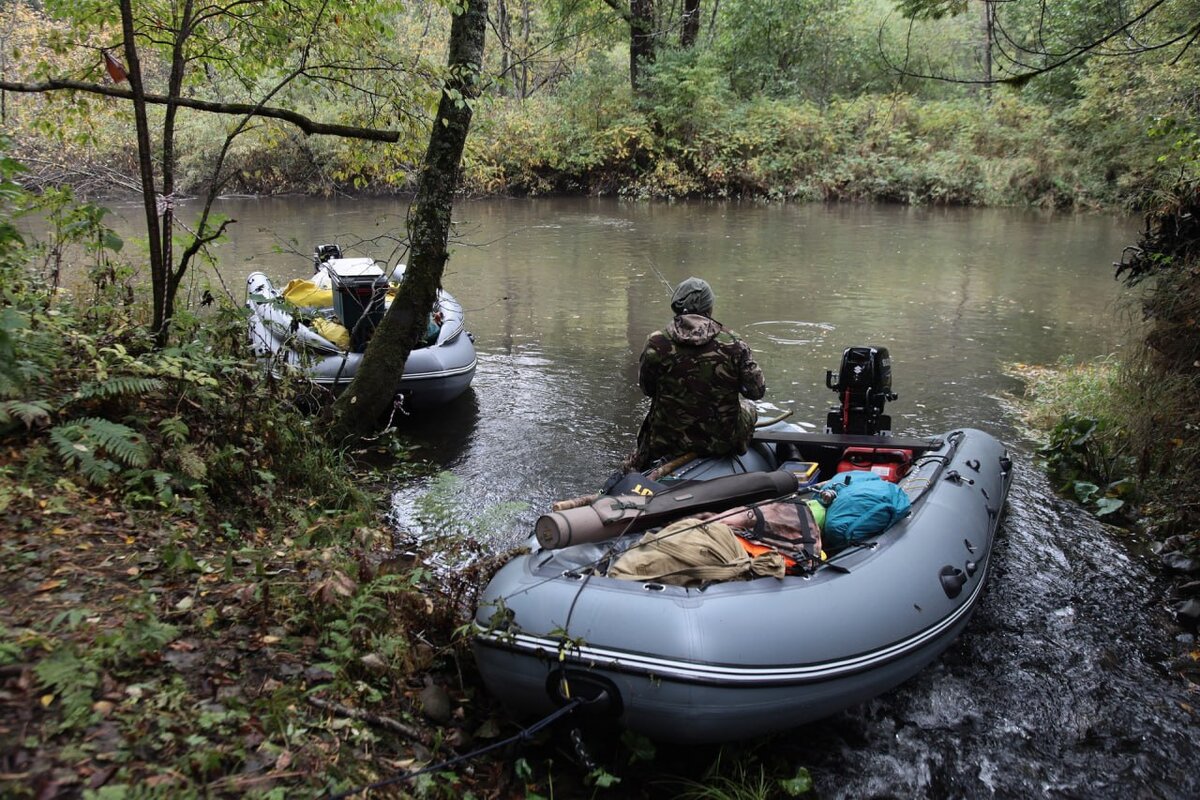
(601, 519)
(614, 515)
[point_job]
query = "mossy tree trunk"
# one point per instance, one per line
(369, 397)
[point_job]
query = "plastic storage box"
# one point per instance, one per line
(359, 295)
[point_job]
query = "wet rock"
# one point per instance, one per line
(1188, 612)
(182, 661)
(287, 670)
(1180, 562)
(435, 702)
(317, 675)
(422, 656)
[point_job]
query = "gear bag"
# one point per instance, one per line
(787, 526)
(691, 552)
(865, 505)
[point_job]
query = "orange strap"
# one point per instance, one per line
(756, 549)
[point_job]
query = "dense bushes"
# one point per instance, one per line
(799, 100)
(889, 148)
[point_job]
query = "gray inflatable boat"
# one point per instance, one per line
(743, 658)
(326, 340)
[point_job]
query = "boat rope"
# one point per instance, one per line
(766, 423)
(524, 735)
(397, 405)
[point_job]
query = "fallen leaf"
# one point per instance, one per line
(47, 699)
(46, 586)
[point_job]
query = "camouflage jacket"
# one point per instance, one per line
(696, 372)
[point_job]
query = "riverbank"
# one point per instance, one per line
(891, 148)
(1087, 417)
(206, 602)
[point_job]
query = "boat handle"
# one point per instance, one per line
(953, 579)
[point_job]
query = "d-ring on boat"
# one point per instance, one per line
(321, 327)
(735, 659)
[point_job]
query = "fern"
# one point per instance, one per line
(35, 413)
(71, 679)
(149, 486)
(190, 463)
(81, 442)
(174, 430)
(118, 386)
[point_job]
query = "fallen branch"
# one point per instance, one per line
(375, 719)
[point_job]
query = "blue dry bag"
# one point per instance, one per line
(865, 505)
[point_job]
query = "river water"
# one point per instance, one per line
(1061, 685)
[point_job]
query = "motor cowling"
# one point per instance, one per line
(863, 384)
(325, 252)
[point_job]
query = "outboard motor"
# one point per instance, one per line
(325, 252)
(864, 385)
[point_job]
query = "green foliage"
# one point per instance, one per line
(687, 93)
(816, 50)
(117, 386)
(84, 443)
(359, 632)
(1085, 414)
(72, 680)
(85, 387)
(741, 774)
(1082, 459)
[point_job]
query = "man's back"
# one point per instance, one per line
(695, 372)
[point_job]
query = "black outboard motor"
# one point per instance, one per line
(863, 384)
(325, 252)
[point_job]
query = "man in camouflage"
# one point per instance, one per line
(701, 379)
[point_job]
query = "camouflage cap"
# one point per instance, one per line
(692, 296)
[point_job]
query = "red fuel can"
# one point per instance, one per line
(891, 464)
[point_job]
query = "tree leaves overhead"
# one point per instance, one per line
(1028, 38)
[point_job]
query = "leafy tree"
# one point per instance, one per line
(1027, 39)
(651, 22)
(232, 58)
(377, 379)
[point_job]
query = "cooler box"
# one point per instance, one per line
(891, 464)
(359, 294)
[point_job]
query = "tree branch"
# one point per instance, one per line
(388, 723)
(622, 11)
(308, 126)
